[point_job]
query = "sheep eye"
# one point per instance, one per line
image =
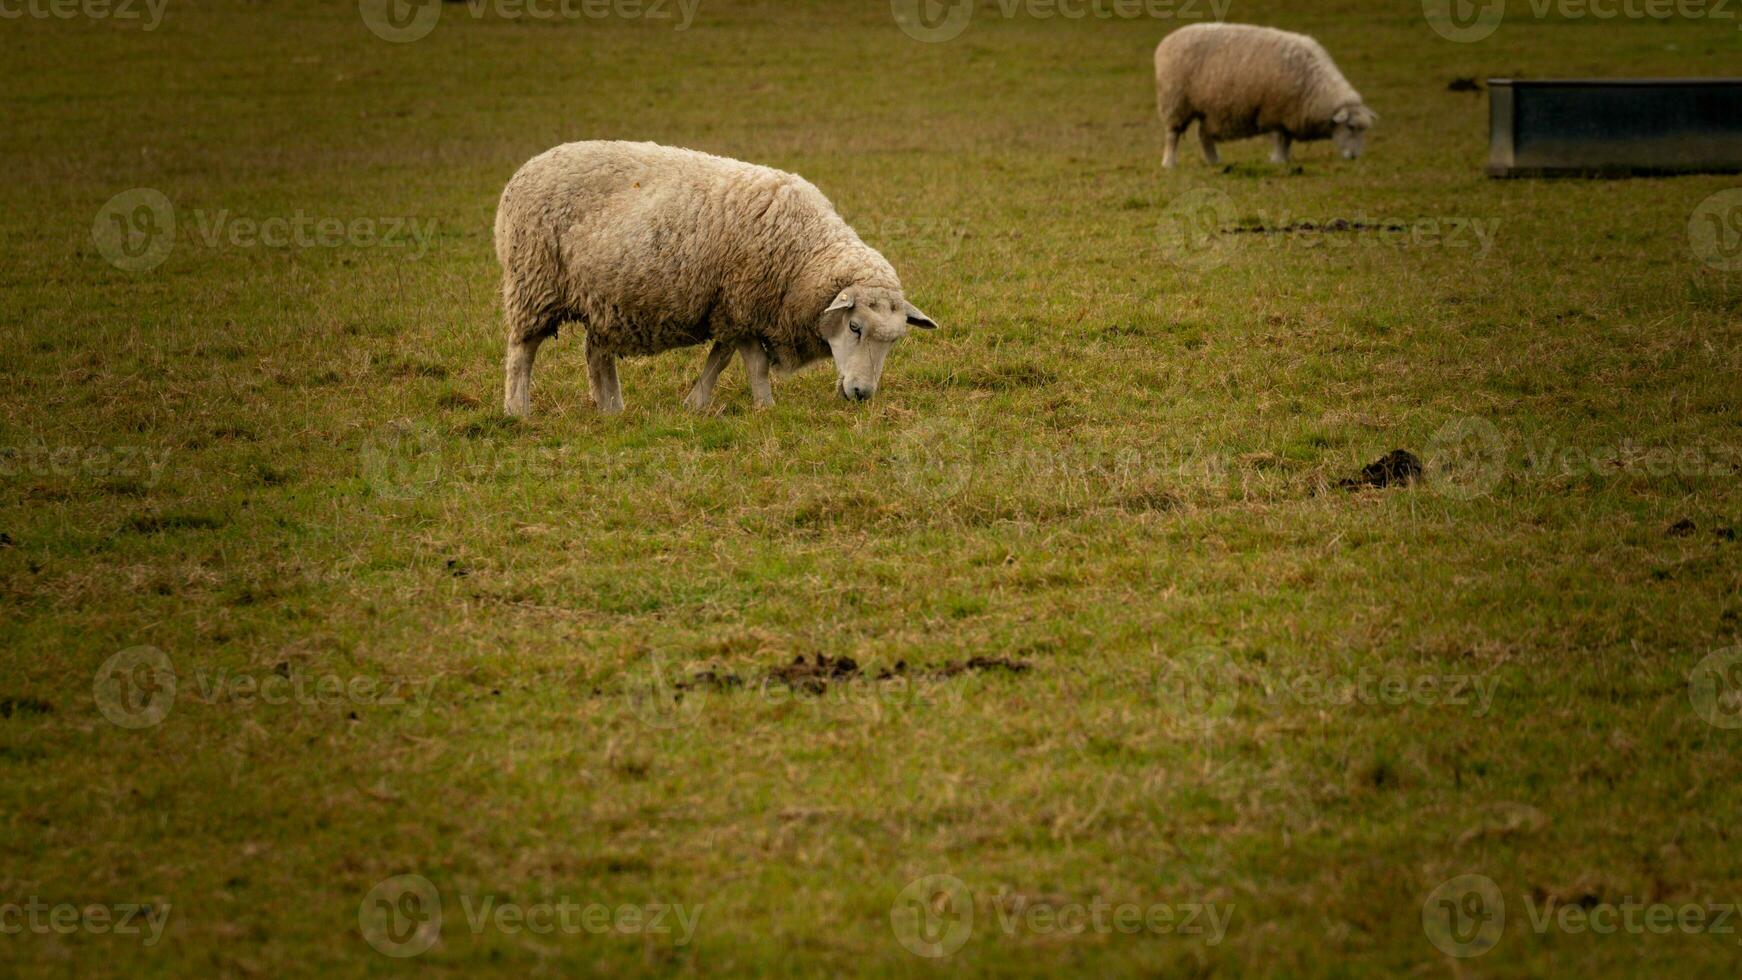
(855, 328)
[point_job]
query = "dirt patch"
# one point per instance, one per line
(813, 675)
(252, 595)
(1463, 83)
(487, 426)
(1261, 170)
(979, 664)
(712, 680)
(1151, 501)
(406, 368)
(457, 399)
(24, 706)
(1399, 467)
(160, 523)
(1319, 227)
(1681, 528)
(124, 487)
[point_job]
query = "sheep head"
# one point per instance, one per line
(1351, 123)
(861, 325)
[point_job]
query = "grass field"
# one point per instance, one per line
(289, 610)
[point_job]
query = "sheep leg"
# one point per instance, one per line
(703, 392)
(1209, 146)
(1169, 155)
(602, 377)
(756, 365)
(1279, 147)
(517, 386)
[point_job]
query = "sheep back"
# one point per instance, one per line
(653, 247)
(1239, 80)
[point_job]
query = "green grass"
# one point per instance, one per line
(1117, 463)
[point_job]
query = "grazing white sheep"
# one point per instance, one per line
(1237, 80)
(651, 247)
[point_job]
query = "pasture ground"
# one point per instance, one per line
(406, 636)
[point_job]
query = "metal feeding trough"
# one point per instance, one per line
(1614, 127)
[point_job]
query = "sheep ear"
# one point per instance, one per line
(1342, 116)
(843, 301)
(915, 318)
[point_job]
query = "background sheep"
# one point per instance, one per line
(1237, 81)
(651, 247)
